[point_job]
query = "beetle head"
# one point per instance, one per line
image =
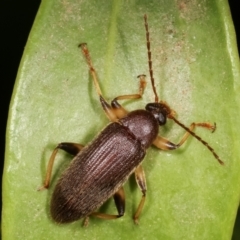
(161, 111)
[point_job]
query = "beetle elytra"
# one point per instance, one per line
(99, 170)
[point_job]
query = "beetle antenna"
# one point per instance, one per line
(198, 138)
(150, 58)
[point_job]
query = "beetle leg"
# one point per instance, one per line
(118, 109)
(115, 111)
(110, 112)
(119, 198)
(141, 182)
(69, 147)
(86, 53)
(85, 221)
(165, 144)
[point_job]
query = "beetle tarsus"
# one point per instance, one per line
(85, 222)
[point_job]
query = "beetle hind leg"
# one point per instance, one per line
(119, 199)
(141, 182)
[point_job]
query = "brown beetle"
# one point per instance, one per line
(99, 170)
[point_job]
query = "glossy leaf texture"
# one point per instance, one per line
(196, 69)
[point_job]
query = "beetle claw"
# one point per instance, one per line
(42, 188)
(136, 221)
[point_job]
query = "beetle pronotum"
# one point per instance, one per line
(99, 170)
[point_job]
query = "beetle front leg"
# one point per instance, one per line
(69, 147)
(119, 199)
(106, 107)
(114, 111)
(141, 182)
(119, 110)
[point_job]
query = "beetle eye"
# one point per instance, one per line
(162, 119)
(159, 111)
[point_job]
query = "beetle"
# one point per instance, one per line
(99, 170)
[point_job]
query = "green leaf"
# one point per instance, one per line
(196, 69)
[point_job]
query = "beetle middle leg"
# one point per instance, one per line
(69, 147)
(165, 144)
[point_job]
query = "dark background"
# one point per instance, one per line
(16, 21)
